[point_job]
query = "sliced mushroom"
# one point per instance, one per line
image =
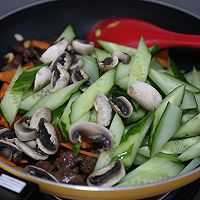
(23, 131)
(123, 57)
(44, 113)
(47, 139)
(122, 106)
(104, 110)
(35, 153)
(78, 62)
(60, 79)
(42, 78)
(146, 95)
(32, 144)
(39, 172)
(98, 134)
(108, 63)
(6, 133)
(107, 176)
(54, 51)
(63, 60)
(10, 151)
(78, 74)
(82, 46)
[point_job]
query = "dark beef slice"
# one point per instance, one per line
(46, 165)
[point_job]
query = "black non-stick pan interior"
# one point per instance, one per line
(49, 19)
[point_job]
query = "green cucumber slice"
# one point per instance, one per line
(111, 47)
(57, 99)
(189, 115)
(86, 101)
(189, 129)
(122, 83)
(93, 117)
(67, 33)
(123, 70)
(140, 67)
(139, 159)
(12, 99)
(155, 64)
(101, 54)
(197, 98)
(192, 165)
(190, 153)
(166, 128)
(189, 101)
(195, 78)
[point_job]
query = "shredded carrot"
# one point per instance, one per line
(3, 122)
(19, 168)
(6, 161)
(58, 134)
(87, 153)
(40, 44)
(28, 66)
(23, 161)
(85, 145)
(3, 89)
(163, 57)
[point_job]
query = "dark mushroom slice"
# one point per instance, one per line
(98, 134)
(108, 63)
(78, 62)
(47, 139)
(23, 131)
(82, 46)
(35, 153)
(42, 78)
(107, 176)
(60, 78)
(10, 151)
(39, 172)
(123, 57)
(63, 60)
(6, 133)
(54, 51)
(122, 106)
(44, 113)
(78, 74)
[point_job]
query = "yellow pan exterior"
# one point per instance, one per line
(91, 193)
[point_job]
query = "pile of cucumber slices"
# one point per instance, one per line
(152, 113)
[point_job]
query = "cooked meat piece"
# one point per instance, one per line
(70, 176)
(86, 163)
(66, 158)
(46, 165)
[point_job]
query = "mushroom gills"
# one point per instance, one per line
(98, 134)
(123, 57)
(83, 47)
(122, 106)
(104, 110)
(107, 176)
(23, 131)
(39, 172)
(47, 139)
(108, 63)
(6, 134)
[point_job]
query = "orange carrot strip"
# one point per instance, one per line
(40, 44)
(23, 161)
(58, 134)
(28, 66)
(163, 57)
(6, 161)
(87, 153)
(3, 89)
(7, 76)
(19, 168)
(85, 145)
(3, 122)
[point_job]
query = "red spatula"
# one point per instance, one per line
(128, 31)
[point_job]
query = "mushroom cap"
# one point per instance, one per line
(123, 57)
(78, 74)
(97, 133)
(47, 139)
(39, 172)
(122, 106)
(146, 95)
(23, 131)
(108, 63)
(107, 176)
(82, 46)
(78, 62)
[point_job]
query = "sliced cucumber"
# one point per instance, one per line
(54, 100)
(189, 101)
(160, 79)
(166, 128)
(178, 146)
(30, 101)
(192, 165)
(155, 169)
(117, 130)
(101, 54)
(123, 70)
(189, 129)
(68, 33)
(139, 159)
(86, 101)
(111, 47)
(93, 117)
(197, 98)
(12, 99)
(190, 153)
(155, 64)
(140, 67)
(145, 151)
(195, 78)
(122, 83)
(189, 115)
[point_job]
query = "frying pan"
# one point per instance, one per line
(44, 20)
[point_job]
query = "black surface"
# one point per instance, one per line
(41, 22)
